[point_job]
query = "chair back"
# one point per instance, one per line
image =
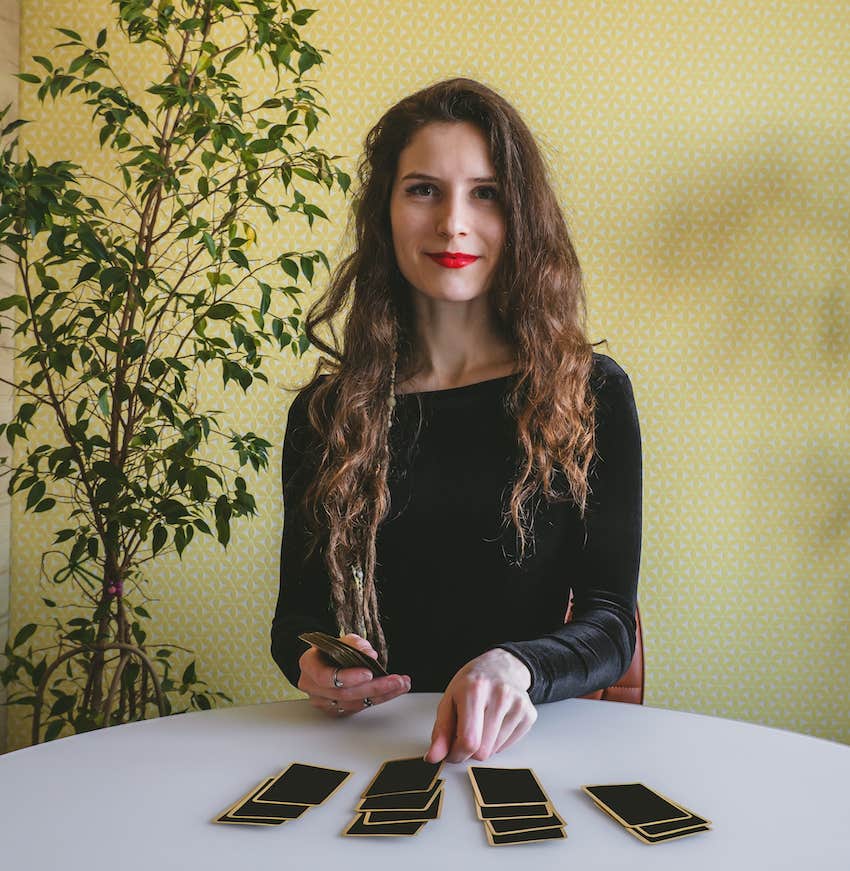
(629, 688)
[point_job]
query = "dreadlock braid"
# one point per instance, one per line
(358, 611)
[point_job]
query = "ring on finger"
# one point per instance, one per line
(336, 681)
(367, 702)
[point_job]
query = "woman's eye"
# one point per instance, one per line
(487, 193)
(423, 190)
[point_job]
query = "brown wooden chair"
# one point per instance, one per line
(629, 688)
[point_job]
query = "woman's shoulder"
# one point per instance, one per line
(606, 369)
(610, 384)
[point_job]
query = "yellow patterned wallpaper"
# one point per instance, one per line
(701, 153)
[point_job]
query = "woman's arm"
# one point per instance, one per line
(304, 601)
(595, 648)
(488, 704)
(304, 597)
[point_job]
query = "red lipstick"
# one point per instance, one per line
(453, 259)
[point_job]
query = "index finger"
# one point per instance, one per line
(470, 725)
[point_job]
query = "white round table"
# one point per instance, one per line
(142, 796)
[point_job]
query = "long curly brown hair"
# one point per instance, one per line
(538, 297)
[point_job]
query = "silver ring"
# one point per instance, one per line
(336, 681)
(367, 702)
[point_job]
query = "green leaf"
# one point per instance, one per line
(88, 270)
(301, 16)
(210, 243)
(101, 38)
(223, 512)
(221, 311)
(15, 300)
(160, 536)
(44, 62)
(44, 505)
(289, 267)
(24, 634)
(262, 146)
(71, 34)
(28, 77)
(62, 705)
(35, 494)
(239, 258)
(53, 730)
(189, 675)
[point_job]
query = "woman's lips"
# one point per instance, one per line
(453, 260)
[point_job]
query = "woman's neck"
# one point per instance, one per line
(458, 343)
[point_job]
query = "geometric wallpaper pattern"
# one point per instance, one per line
(702, 155)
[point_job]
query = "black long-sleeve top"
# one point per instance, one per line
(448, 584)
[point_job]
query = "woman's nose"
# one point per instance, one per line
(452, 219)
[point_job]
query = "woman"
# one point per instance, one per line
(468, 460)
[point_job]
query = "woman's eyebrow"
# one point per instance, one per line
(425, 177)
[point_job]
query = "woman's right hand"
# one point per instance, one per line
(359, 688)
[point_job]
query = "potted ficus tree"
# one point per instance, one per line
(131, 279)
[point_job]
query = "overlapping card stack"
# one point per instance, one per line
(514, 806)
(342, 654)
(284, 797)
(646, 814)
(404, 795)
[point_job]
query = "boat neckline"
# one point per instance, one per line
(443, 391)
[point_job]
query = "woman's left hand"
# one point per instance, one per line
(484, 709)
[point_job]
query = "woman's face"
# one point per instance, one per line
(446, 212)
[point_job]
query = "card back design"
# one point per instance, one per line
(634, 804)
(404, 775)
(400, 801)
(302, 784)
(506, 786)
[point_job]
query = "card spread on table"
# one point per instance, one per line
(431, 812)
(670, 836)
(513, 806)
(342, 654)
(402, 797)
(645, 813)
(302, 784)
(298, 787)
(400, 801)
(553, 834)
(403, 775)
(232, 815)
(652, 829)
(502, 786)
(358, 827)
(527, 824)
(507, 811)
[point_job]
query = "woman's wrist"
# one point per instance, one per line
(516, 671)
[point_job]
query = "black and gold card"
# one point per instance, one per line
(302, 784)
(403, 775)
(507, 811)
(359, 827)
(505, 786)
(633, 804)
(526, 824)
(431, 812)
(400, 801)
(553, 834)
(342, 654)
